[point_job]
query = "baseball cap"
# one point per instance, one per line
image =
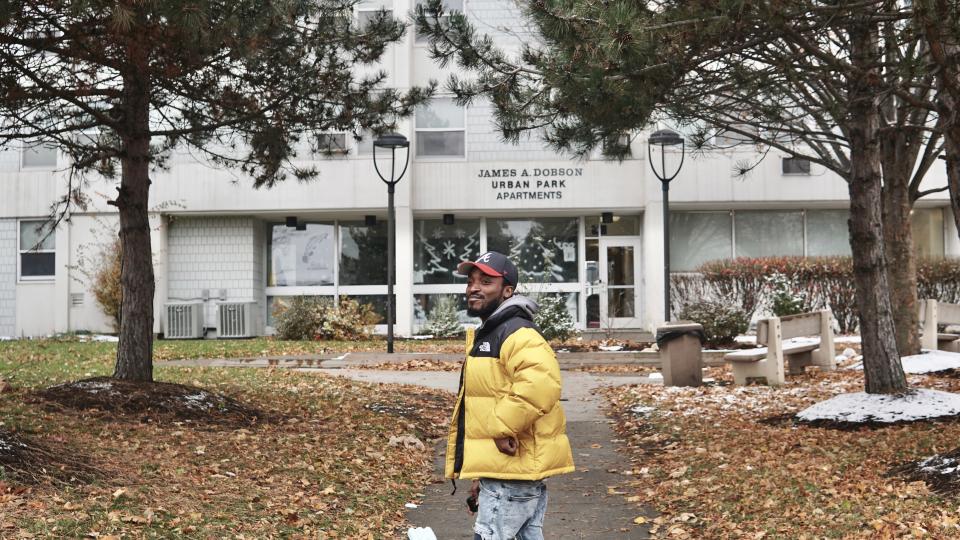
(494, 264)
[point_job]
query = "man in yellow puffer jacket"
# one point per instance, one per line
(508, 431)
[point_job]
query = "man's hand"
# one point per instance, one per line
(474, 494)
(507, 445)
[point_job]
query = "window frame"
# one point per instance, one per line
(439, 157)
(417, 42)
(20, 251)
(23, 152)
(798, 162)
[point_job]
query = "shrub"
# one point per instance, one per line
(824, 282)
(553, 318)
(310, 317)
(300, 317)
(784, 296)
(721, 322)
(106, 282)
(443, 320)
(350, 320)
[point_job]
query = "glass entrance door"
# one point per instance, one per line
(619, 273)
(613, 283)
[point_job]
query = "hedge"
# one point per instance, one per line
(825, 281)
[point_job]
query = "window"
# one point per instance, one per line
(621, 226)
(332, 143)
(37, 250)
(745, 134)
(698, 237)
(544, 250)
(363, 253)
(439, 248)
(767, 234)
(616, 145)
(423, 304)
(301, 258)
(39, 156)
(928, 232)
(799, 166)
(827, 233)
(367, 16)
(448, 6)
(441, 129)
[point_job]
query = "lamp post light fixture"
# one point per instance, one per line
(392, 142)
(665, 138)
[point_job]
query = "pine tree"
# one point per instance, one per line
(443, 321)
(117, 85)
(845, 86)
(553, 318)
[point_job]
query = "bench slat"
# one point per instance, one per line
(754, 355)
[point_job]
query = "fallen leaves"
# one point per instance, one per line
(727, 462)
(323, 469)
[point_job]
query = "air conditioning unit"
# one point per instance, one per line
(236, 319)
(184, 320)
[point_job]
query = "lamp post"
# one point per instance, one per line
(391, 141)
(664, 138)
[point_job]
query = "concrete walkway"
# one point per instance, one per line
(581, 504)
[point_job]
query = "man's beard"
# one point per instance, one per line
(486, 311)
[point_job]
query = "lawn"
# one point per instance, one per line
(319, 466)
(727, 462)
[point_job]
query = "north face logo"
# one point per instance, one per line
(484, 347)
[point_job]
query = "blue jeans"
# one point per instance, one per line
(510, 510)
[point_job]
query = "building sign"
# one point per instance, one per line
(533, 183)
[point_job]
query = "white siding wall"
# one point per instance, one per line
(215, 253)
(8, 276)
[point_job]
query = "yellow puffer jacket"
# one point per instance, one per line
(509, 387)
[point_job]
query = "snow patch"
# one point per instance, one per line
(939, 465)
(920, 404)
(641, 410)
(7, 338)
(199, 400)
(92, 387)
(611, 348)
(925, 362)
(656, 375)
(930, 362)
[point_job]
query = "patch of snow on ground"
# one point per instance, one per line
(641, 410)
(92, 387)
(921, 404)
(7, 338)
(930, 362)
(656, 375)
(611, 348)
(846, 339)
(939, 465)
(925, 362)
(746, 339)
(200, 399)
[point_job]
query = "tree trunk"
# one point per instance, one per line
(881, 362)
(938, 18)
(952, 150)
(135, 350)
(901, 259)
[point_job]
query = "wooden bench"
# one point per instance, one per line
(802, 340)
(933, 313)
